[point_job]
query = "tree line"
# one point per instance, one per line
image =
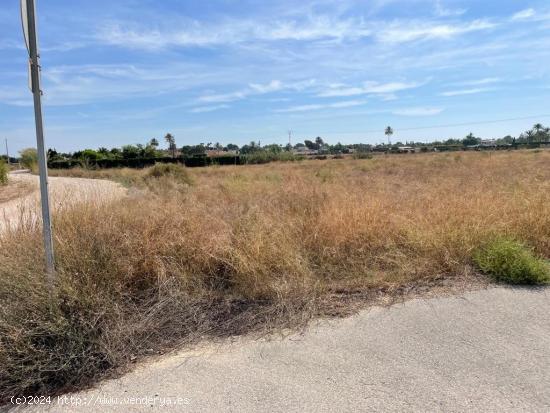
(150, 150)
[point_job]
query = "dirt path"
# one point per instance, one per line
(64, 193)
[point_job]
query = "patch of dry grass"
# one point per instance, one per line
(14, 190)
(250, 247)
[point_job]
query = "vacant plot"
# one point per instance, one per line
(14, 189)
(218, 251)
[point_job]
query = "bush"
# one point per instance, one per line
(362, 155)
(3, 172)
(512, 262)
(29, 159)
(162, 170)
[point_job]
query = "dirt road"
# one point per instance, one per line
(64, 192)
(485, 351)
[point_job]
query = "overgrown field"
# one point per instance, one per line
(226, 250)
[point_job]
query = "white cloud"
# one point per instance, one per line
(256, 89)
(366, 88)
(206, 109)
(336, 105)
(420, 111)
(524, 14)
(224, 97)
(442, 11)
(531, 15)
(400, 33)
(465, 92)
(306, 28)
(273, 86)
(479, 82)
(197, 34)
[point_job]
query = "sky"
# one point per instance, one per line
(232, 71)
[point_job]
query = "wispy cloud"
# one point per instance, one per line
(531, 15)
(524, 14)
(305, 29)
(479, 82)
(256, 89)
(466, 92)
(198, 34)
(400, 33)
(418, 111)
(337, 105)
(206, 109)
(367, 88)
(442, 11)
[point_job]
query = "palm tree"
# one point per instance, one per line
(154, 143)
(538, 127)
(389, 132)
(169, 138)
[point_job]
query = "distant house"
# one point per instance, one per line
(303, 150)
(488, 143)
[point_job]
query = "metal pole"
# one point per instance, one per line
(42, 164)
(7, 151)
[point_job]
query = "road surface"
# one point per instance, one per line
(487, 351)
(64, 193)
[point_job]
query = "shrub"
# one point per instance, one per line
(512, 262)
(163, 170)
(362, 155)
(3, 172)
(29, 159)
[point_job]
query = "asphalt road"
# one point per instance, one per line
(484, 351)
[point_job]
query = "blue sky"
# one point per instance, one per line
(125, 71)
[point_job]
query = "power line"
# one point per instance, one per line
(450, 125)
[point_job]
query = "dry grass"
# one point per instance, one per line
(250, 247)
(14, 190)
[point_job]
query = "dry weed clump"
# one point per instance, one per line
(249, 247)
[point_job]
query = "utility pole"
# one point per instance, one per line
(7, 151)
(28, 15)
(290, 138)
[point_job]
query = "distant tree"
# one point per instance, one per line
(169, 138)
(273, 148)
(506, 140)
(89, 155)
(529, 136)
(538, 127)
(115, 153)
(131, 152)
(53, 155)
(104, 152)
(470, 140)
(232, 147)
(154, 143)
(149, 151)
(319, 141)
(311, 145)
(388, 132)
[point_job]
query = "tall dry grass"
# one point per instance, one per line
(238, 248)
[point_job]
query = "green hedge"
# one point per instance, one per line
(191, 162)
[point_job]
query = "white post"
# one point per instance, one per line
(30, 21)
